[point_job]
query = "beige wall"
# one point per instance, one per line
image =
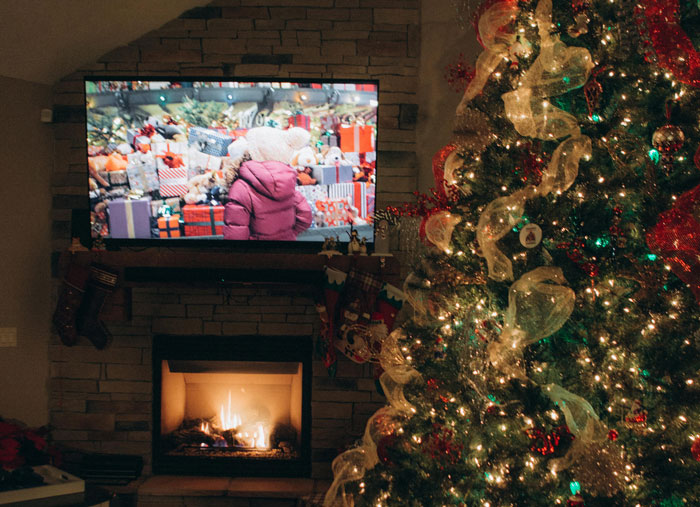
(26, 150)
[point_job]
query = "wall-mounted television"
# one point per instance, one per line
(185, 161)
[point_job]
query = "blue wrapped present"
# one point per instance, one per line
(327, 174)
(208, 141)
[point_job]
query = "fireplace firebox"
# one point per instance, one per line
(234, 406)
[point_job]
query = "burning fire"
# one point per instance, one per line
(231, 420)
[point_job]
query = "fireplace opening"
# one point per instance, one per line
(231, 405)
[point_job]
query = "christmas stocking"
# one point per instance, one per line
(334, 282)
(100, 285)
(359, 296)
(69, 300)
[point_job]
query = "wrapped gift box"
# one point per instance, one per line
(118, 178)
(141, 158)
(359, 197)
(143, 177)
(59, 488)
(209, 141)
(173, 181)
(167, 154)
(336, 211)
(327, 174)
(300, 120)
(135, 138)
(172, 147)
(169, 226)
(130, 218)
(371, 198)
(313, 193)
(172, 202)
(199, 163)
(329, 140)
(203, 220)
(356, 138)
(341, 190)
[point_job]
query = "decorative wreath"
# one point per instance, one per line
(659, 22)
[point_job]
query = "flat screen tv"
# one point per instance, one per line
(189, 161)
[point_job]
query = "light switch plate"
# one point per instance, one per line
(8, 336)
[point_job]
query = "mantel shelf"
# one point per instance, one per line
(165, 266)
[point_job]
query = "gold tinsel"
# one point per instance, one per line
(472, 131)
(601, 469)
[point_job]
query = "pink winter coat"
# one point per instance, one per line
(264, 204)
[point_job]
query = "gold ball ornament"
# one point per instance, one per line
(668, 139)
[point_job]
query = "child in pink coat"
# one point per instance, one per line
(263, 201)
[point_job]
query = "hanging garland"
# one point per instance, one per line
(659, 22)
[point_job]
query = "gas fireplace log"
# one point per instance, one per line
(188, 437)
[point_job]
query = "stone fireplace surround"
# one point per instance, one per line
(101, 400)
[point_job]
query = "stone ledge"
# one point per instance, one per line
(241, 487)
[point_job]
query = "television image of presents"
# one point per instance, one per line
(186, 160)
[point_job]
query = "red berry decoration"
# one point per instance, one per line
(548, 443)
(612, 435)
(695, 449)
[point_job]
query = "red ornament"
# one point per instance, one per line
(695, 449)
(659, 20)
(575, 501)
(612, 435)
(459, 74)
(439, 166)
(547, 443)
(676, 238)
(383, 445)
(532, 165)
(441, 446)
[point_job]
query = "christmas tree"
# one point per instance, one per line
(553, 357)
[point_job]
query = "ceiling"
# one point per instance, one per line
(44, 40)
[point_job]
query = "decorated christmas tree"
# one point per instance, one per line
(553, 355)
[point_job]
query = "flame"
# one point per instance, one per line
(259, 439)
(229, 419)
(204, 428)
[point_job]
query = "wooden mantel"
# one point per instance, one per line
(146, 267)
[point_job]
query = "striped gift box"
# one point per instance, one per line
(341, 190)
(173, 181)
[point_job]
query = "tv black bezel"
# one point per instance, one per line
(223, 244)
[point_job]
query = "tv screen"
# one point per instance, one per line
(193, 160)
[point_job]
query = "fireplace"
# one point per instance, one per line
(234, 406)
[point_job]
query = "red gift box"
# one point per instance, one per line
(356, 138)
(203, 220)
(169, 226)
(300, 120)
